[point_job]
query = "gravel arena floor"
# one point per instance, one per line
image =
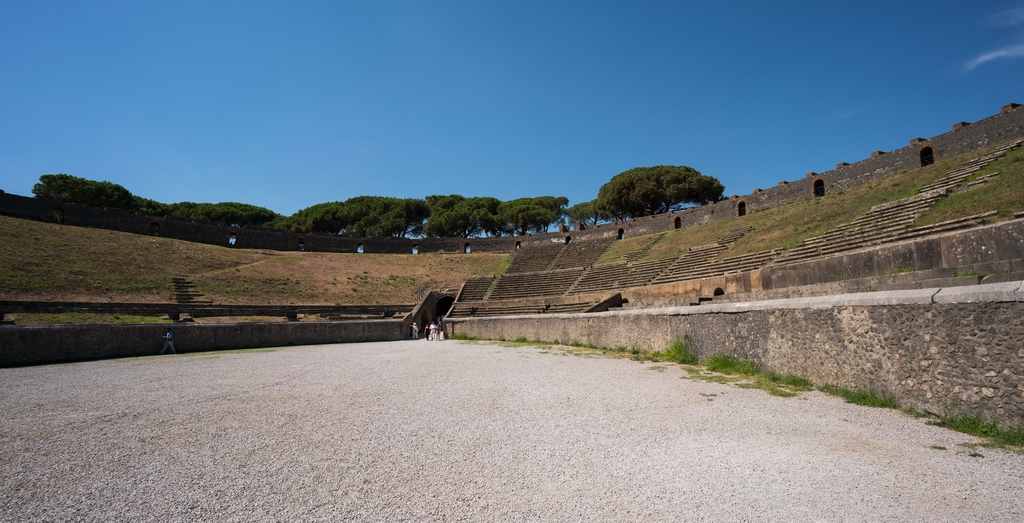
(458, 431)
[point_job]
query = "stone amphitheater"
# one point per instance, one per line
(356, 423)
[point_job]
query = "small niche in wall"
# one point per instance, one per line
(927, 156)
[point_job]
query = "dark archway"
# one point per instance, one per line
(518, 246)
(154, 229)
(302, 244)
(622, 233)
(819, 188)
(58, 215)
(233, 239)
(443, 306)
(415, 249)
(568, 240)
(679, 223)
(466, 249)
(719, 292)
(741, 209)
(927, 156)
(359, 247)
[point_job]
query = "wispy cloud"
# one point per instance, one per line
(1009, 17)
(1015, 51)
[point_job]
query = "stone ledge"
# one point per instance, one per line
(988, 292)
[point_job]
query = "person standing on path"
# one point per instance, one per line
(168, 342)
(415, 331)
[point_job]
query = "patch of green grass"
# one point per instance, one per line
(679, 353)
(938, 447)
(521, 339)
(866, 398)
(725, 364)
(461, 336)
(1001, 193)
(983, 429)
(656, 368)
(902, 270)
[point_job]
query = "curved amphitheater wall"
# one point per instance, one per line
(1004, 126)
(33, 345)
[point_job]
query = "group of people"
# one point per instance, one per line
(432, 332)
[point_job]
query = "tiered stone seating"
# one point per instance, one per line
(488, 308)
(733, 235)
(644, 249)
(889, 222)
(600, 278)
(475, 289)
(949, 225)
(582, 253)
(641, 274)
(957, 177)
(568, 308)
(534, 284)
(185, 292)
(504, 308)
(536, 257)
(708, 268)
(882, 224)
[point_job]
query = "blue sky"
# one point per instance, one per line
(288, 104)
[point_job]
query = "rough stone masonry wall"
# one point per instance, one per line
(33, 345)
(945, 351)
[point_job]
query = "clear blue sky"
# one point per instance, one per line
(288, 104)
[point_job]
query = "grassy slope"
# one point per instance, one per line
(787, 225)
(44, 261)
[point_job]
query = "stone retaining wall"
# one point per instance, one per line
(32, 345)
(945, 351)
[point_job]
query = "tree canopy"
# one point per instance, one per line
(637, 192)
(585, 212)
(72, 189)
(644, 191)
(456, 215)
(361, 216)
(524, 215)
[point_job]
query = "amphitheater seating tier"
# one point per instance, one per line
(475, 289)
(534, 258)
(534, 284)
(495, 308)
(559, 269)
(633, 256)
(581, 253)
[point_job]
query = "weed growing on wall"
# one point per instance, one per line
(860, 397)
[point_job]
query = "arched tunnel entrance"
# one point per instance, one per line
(444, 304)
